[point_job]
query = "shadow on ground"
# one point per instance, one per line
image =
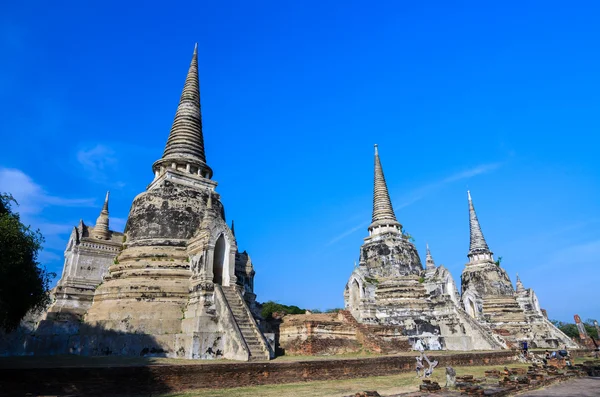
(71, 358)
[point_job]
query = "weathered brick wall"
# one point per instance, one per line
(316, 334)
(174, 378)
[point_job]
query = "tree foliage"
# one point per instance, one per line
(24, 283)
(570, 329)
(270, 307)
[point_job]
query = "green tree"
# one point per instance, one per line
(591, 328)
(568, 328)
(24, 283)
(270, 307)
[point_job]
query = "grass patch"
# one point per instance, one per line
(386, 385)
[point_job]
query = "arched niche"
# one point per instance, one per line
(220, 266)
(354, 295)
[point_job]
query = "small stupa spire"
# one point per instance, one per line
(101, 230)
(478, 245)
(185, 146)
(520, 287)
(429, 263)
(383, 212)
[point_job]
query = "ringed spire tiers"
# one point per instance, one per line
(185, 147)
(478, 248)
(101, 230)
(384, 219)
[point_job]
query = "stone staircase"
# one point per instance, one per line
(250, 332)
(406, 292)
(502, 309)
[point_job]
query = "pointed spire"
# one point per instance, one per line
(429, 263)
(520, 287)
(185, 145)
(232, 228)
(478, 244)
(383, 213)
(105, 206)
(101, 230)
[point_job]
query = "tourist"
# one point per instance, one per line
(525, 349)
(546, 357)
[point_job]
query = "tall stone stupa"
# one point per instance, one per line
(174, 284)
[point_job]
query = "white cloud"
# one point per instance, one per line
(97, 162)
(579, 255)
(480, 169)
(48, 256)
(423, 191)
(32, 198)
(420, 192)
(346, 233)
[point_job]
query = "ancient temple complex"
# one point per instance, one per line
(174, 284)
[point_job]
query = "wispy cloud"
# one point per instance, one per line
(428, 189)
(575, 255)
(423, 191)
(480, 169)
(98, 161)
(32, 198)
(346, 233)
(117, 224)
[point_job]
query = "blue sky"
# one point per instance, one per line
(500, 99)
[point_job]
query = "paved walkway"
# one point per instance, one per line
(583, 387)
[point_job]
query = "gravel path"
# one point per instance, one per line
(583, 387)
